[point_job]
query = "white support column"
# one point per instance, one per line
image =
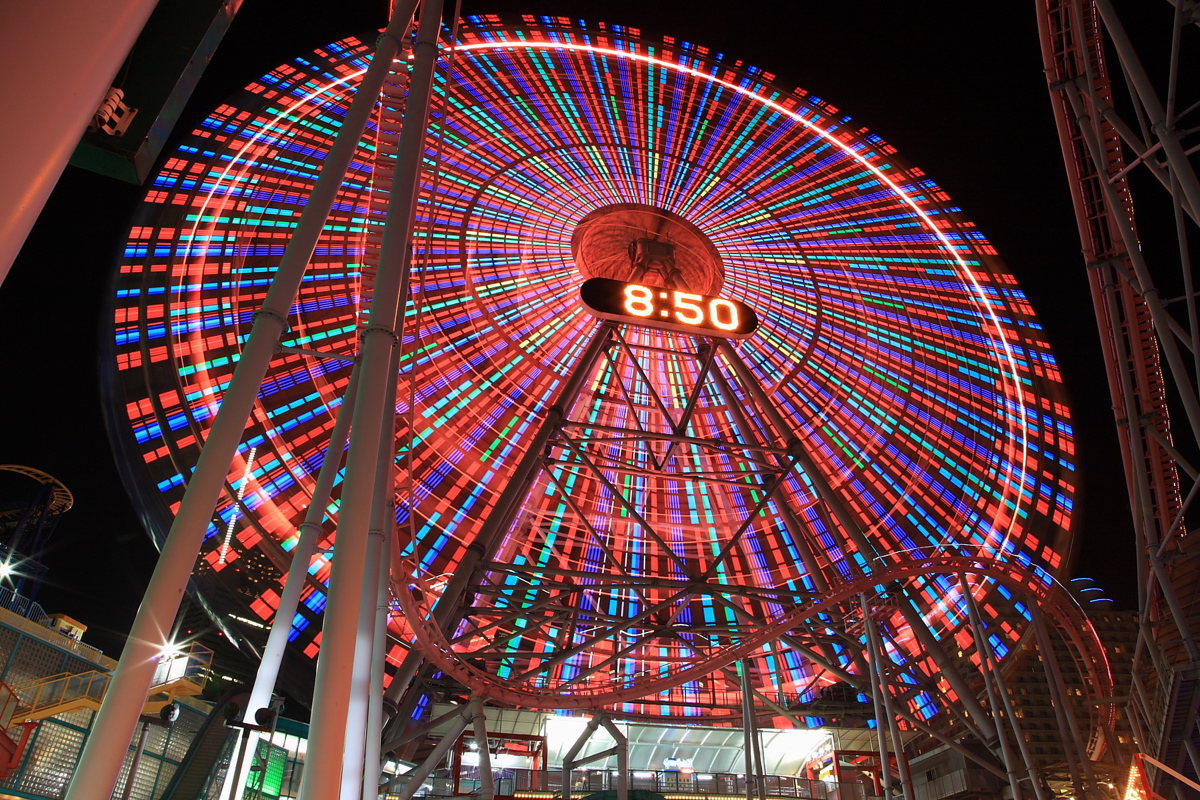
(487, 784)
(332, 690)
(877, 690)
(265, 678)
(879, 658)
(423, 770)
(1078, 761)
(355, 765)
(989, 662)
(977, 631)
(568, 763)
(289, 599)
(747, 731)
(354, 756)
(622, 756)
(372, 760)
(100, 760)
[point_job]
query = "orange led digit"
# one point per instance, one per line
(686, 311)
(639, 300)
(723, 314)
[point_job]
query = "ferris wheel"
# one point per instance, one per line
(705, 402)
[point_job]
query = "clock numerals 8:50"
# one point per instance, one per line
(667, 309)
(684, 307)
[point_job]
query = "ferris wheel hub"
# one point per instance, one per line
(630, 241)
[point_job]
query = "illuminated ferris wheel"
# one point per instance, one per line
(705, 402)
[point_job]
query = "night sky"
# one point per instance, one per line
(956, 87)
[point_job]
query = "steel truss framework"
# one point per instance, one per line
(857, 633)
(1120, 128)
(874, 491)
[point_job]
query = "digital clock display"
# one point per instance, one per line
(659, 307)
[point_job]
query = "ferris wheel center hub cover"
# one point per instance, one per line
(609, 241)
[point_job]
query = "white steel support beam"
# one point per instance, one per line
(414, 779)
(877, 691)
(622, 756)
(487, 786)
(100, 760)
(878, 660)
(333, 689)
(367, 678)
(289, 599)
(569, 762)
(1064, 713)
(372, 760)
(992, 675)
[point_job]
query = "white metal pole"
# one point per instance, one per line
(487, 785)
(99, 762)
(371, 761)
(747, 729)
(989, 662)
(417, 776)
(375, 601)
(297, 577)
(622, 740)
(978, 632)
(354, 754)
(879, 658)
(60, 59)
(357, 720)
(568, 764)
(877, 690)
(331, 693)
(1078, 760)
(386, 50)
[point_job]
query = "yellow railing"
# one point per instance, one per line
(61, 689)
(192, 664)
(180, 673)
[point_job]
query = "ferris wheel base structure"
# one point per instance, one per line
(635, 515)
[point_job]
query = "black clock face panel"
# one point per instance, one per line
(673, 309)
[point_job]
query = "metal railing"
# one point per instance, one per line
(19, 604)
(509, 782)
(62, 688)
(14, 618)
(192, 663)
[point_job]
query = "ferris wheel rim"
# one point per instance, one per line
(549, 367)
